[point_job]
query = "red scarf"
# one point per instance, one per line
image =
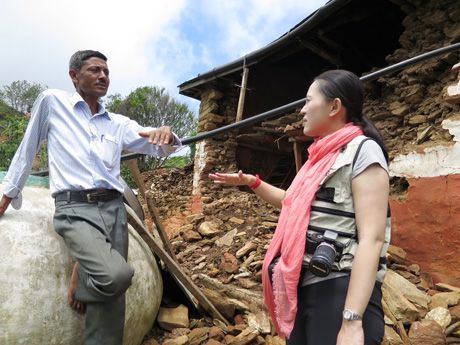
(290, 235)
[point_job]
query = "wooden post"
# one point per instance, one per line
(132, 164)
(297, 156)
(244, 82)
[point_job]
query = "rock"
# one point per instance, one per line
(427, 332)
(412, 278)
(170, 318)
(452, 328)
(151, 341)
(269, 225)
(220, 302)
(452, 31)
(417, 120)
(260, 340)
(399, 109)
(447, 287)
(396, 254)
(198, 335)
(399, 306)
(445, 299)
(455, 313)
(236, 220)
(191, 236)
(181, 340)
(227, 239)
(452, 94)
(391, 337)
(440, 315)
(408, 290)
(426, 281)
(422, 136)
(176, 332)
(229, 263)
(216, 333)
(228, 338)
(247, 248)
(278, 341)
(260, 322)
(248, 283)
(235, 330)
(194, 218)
(239, 305)
(208, 228)
(200, 266)
(184, 228)
(245, 337)
(213, 342)
(238, 319)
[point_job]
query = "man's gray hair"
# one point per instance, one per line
(77, 59)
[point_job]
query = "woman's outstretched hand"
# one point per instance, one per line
(235, 179)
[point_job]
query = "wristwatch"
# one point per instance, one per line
(350, 315)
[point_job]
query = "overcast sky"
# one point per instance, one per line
(147, 42)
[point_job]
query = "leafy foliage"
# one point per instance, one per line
(12, 128)
(21, 94)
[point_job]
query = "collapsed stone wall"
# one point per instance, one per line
(408, 107)
(215, 154)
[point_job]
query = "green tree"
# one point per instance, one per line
(153, 106)
(12, 128)
(21, 94)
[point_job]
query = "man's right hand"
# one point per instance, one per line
(4, 203)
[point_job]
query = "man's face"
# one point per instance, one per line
(92, 80)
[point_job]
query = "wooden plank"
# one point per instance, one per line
(297, 156)
(244, 83)
(132, 165)
(175, 270)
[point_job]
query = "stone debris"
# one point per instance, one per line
(171, 318)
(226, 261)
(223, 243)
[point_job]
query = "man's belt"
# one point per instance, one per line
(88, 195)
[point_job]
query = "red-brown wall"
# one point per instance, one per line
(427, 225)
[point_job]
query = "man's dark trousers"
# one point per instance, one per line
(97, 237)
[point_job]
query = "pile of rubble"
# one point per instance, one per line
(222, 250)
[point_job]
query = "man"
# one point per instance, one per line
(84, 148)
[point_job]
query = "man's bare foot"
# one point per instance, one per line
(80, 307)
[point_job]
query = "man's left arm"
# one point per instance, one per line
(159, 142)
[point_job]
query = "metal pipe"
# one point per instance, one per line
(296, 104)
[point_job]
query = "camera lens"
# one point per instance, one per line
(321, 262)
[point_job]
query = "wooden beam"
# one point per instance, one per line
(244, 83)
(297, 155)
(175, 270)
(134, 169)
(270, 147)
(329, 56)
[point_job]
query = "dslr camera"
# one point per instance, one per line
(325, 249)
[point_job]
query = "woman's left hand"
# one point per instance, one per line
(351, 333)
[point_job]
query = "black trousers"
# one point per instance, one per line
(319, 314)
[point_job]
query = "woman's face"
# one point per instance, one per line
(316, 113)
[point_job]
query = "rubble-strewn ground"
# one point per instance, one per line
(222, 250)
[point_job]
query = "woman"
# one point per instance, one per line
(323, 271)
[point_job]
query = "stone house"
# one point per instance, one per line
(418, 118)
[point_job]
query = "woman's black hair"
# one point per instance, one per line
(346, 86)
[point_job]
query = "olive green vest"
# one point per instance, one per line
(333, 210)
